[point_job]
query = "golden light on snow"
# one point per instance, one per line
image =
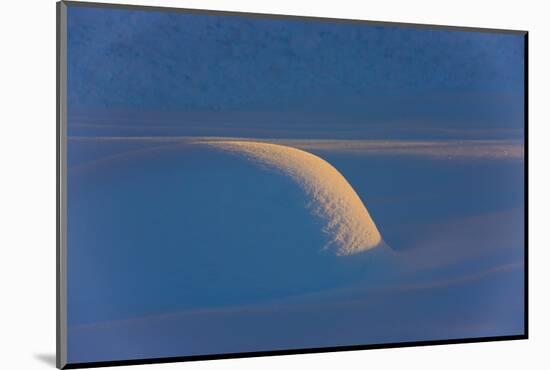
(347, 221)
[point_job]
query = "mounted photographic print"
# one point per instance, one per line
(234, 184)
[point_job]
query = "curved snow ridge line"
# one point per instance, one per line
(348, 223)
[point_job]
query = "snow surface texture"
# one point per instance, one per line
(347, 221)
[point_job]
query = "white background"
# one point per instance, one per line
(27, 183)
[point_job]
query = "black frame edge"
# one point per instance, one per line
(288, 16)
(57, 318)
(61, 66)
(57, 191)
(526, 181)
(290, 352)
